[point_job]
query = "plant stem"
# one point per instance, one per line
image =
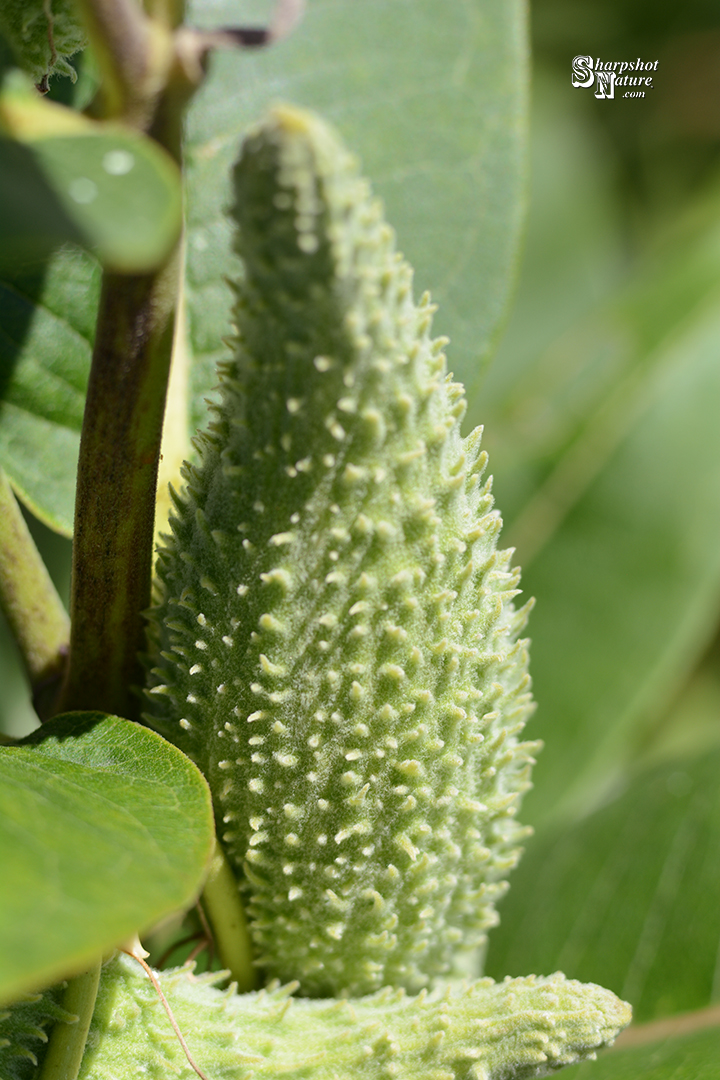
(67, 1041)
(668, 1027)
(122, 38)
(117, 472)
(223, 906)
(122, 425)
(34, 611)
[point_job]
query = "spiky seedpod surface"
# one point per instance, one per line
(24, 1030)
(336, 643)
(518, 1029)
(42, 34)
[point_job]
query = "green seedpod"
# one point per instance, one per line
(336, 643)
(24, 1030)
(517, 1029)
(42, 34)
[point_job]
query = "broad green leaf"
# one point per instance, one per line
(32, 219)
(573, 258)
(65, 177)
(120, 190)
(682, 1057)
(431, 95)
(102, 186)
(47, 315)
(104, 830)
(627, 898)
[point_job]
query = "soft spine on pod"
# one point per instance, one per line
(335, 643)
(42, 34)
(514, 1030)
(24, 1029)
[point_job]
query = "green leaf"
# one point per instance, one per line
(685, 1057)
(32, 220)
(100, 185)
(572, 258)
(66, 177)
(104, 830)
(112, 191)
(47, 316)
(432, 97)
(628, 897)
(120, 190)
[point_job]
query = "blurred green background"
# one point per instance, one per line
(602, 415)
(601, 404)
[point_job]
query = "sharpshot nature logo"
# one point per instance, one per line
(634, 76)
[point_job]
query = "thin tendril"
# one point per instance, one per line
(166, 1005)
(178, 945)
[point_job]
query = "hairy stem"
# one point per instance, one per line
(28, 598)
(67, 1041)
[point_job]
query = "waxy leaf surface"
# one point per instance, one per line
(104, 830)
(682, 1057)
(64, 177)
(628, 897)
(47, 317)
(432, 97)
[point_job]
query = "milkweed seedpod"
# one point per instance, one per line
(24, 1029)
(336, 642)
(518, 1029)
(42, 34)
